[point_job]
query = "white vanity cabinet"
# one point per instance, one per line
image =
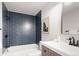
(48, 52)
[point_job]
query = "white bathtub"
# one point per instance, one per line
(23, 50)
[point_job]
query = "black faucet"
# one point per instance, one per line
(77, 43)
(73, 41)
(70, 42)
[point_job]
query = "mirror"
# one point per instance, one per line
(70, 21)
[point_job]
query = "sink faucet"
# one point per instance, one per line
(72, 41)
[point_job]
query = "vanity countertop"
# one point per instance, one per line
(61, 48)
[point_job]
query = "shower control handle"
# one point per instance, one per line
(6, 36)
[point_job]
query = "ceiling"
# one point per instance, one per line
(30, 8)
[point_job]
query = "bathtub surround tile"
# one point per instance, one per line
(5, 26)
(22, 29)
(38, 27)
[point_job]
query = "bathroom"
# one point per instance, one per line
(39, 28)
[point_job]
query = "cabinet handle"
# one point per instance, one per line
(44, 50)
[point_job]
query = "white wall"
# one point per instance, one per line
(1, 28)
(71, 21)
(54, 12)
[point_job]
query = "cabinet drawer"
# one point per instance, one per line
(47, 52)
(53, 53)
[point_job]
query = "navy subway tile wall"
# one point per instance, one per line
(38, 27)
(20, 29)
(5, 26)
